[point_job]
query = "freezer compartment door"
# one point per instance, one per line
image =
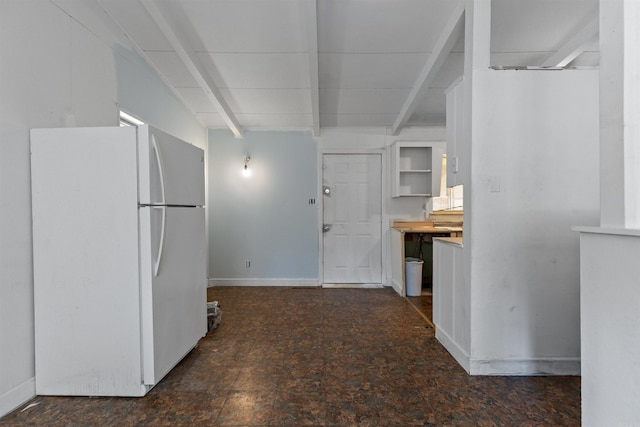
(171, 171)
(173, 286)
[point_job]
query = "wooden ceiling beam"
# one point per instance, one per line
(312, 49)
(195, 67)
(442, 48)
(575, 45)
(148, 60)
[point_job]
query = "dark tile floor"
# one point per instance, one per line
(311, 356)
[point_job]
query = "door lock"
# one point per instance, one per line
(326, 190)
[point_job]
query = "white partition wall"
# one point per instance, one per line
(531, 141)
(530, 186)
(66, 65)
(610, 289)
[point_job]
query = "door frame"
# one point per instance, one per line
(383, 213)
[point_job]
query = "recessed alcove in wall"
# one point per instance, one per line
(559, 33)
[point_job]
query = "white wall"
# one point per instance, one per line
(142, 93)
(48, 61)
(610, 332)
(247, 224)
(58, 69)
(265, 218)
(534, 160)
(609, 253)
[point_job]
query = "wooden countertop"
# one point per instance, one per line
(426, 229)
(417, 226)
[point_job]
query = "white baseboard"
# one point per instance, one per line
(263, 282)
(526, 367)
(15, 397)
(508, 367)
(396, 286)
(458, 353)
(352, 285)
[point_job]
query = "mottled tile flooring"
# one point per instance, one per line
(311, 356)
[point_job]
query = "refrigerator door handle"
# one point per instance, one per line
(156, 149)
(156, 265)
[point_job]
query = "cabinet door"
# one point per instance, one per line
(454, 132)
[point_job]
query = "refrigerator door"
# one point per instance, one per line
(86, 268)
(173, 286)
(171, 171)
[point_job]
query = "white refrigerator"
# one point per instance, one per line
(119, 252)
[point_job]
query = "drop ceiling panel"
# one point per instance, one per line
(172, 68)
(518, 59)
(349, 71)
(275, 121)
(537, 26)
(431, 109)
(138, 24)
(452, 68)
(90, 15)
(362, 101)
(196, 100)
(212, 120)
(247, 70)
(273, 101)
(381, 26)
(353, 120)
(370, 53)
(246, 25)
(587, 59)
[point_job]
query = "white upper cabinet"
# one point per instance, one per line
(416, 168)
(455, 141)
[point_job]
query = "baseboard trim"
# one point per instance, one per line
(15, 397)
(352, 285)
(526, 367)
(263, 282)
(458, 353)
(396, 286)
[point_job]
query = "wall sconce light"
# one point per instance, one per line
(246, 171)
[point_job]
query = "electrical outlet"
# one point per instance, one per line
(248, 264)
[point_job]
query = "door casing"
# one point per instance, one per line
(385, 218)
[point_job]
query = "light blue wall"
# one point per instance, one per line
(142, 93)
(266, 218)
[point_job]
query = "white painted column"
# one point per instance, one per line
(620, 113)
(609, 286)
(476, 64)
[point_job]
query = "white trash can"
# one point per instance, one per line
(413, 276)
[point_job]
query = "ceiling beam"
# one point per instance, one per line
(312, 48)
(575, 45)
(442, 48)
(195, 67)
(148, 60)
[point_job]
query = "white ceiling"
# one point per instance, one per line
(283, 64)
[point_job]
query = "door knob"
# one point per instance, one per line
(326, 191)
(326, 227)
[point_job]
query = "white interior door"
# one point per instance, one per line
(352, 218)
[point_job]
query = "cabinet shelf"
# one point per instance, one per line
(416, 168)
